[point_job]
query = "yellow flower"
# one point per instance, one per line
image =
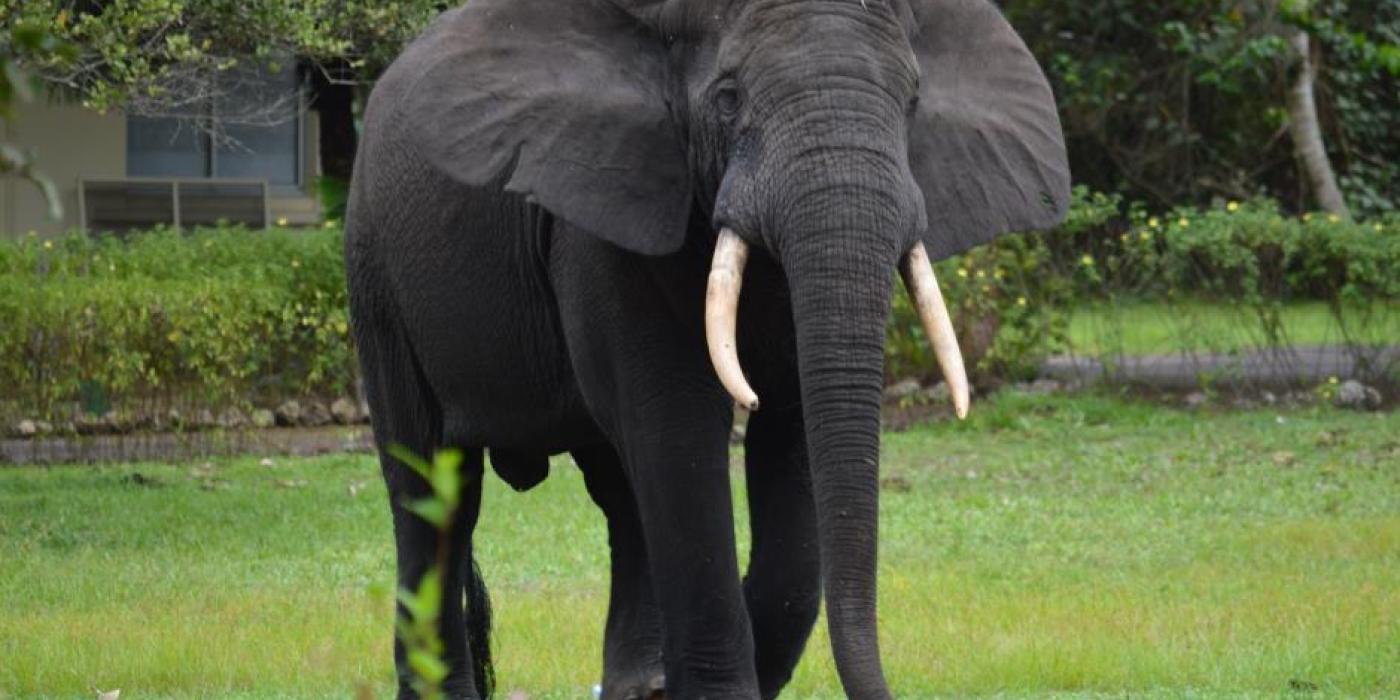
(1123, 238)
(1333, 380)
(48, 245)
(1379, 228)
(296, 263)
(962, 272)
(330, 223)
(1307, 216)
(1087, 260)
(1183, 222)
(1154, 222)
(281, 221)
(1020, 301)
(981, 274)
(998, 274)
(1145, 236)
(1232, 207)
(1333, 219)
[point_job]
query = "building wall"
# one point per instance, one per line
(70, 142)
(67, 142)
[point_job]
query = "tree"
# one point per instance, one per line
(165, 57)
(16, 85)
(1188, 101)
(1306, 129)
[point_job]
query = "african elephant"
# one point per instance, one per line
(554, 206)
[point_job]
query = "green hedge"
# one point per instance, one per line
(223, 317)
(1012, 298)
(213, 318)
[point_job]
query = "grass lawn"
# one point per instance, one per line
(1143, 328)
(1074, 546)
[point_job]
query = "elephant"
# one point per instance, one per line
(555, 207)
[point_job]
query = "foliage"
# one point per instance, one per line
(421, 610)
(1047, 545)
(220, 315)
(1012, 299)
(227, 316)
(17, 85)
(1182, 102)
(156, 56)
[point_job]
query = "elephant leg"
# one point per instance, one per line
(632, 666)
(404, 413)
(680, 475)
(634, 329)
(464, 621)
(783, 585)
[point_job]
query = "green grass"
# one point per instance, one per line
(1070, 547)
(1150, 328)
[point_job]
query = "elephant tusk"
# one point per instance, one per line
(919, 279)
(722, 313)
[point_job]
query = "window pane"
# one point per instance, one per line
(165, 147)
(259, 114)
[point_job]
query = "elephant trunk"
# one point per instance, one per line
(841, 299)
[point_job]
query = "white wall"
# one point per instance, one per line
(67, 142)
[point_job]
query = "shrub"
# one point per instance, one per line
(228, 317)
(1011, 298)
(215, 317)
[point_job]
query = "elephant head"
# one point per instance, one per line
(843, 138)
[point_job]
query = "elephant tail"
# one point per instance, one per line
(479, 630)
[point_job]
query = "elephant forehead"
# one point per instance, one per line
(815, 37)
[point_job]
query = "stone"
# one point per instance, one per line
(45, 427)
(289, 413)
(263, 419)
(902, 389)
(1196, 399)
(1041, 386)
(27, 428)
(937, 394)
(1355, 396)
(232, 418)
(204, 418)
(316, 415)
(345, 412)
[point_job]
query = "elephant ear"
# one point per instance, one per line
(985, 141)
(563, 101)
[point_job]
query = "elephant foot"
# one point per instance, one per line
(642, 686)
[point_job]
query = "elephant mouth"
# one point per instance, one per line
(722, 307)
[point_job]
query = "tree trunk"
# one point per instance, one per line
(1307, 131)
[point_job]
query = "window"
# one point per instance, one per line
(269, 149)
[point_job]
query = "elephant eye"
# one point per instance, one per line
(727, 101)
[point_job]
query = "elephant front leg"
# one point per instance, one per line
(783, 585)
(632, 665)
(463, 624)
(680, 476)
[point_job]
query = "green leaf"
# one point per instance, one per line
(410, 459)
(427, 666)
(447, 477)
(432, 510)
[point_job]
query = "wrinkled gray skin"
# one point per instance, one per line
(534, 208)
